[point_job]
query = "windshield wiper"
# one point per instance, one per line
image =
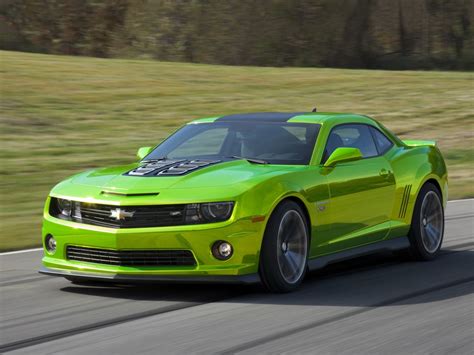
(250, 160)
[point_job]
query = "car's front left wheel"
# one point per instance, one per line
(284, 254)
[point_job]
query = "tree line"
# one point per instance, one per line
(386, 34)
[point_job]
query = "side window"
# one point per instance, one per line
(214, 139)
(351, 135)
(382, 142)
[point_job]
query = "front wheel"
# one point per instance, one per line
(427, 227)
(284, 254)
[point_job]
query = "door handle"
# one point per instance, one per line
(385, 173)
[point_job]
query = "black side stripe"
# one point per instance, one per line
(261, 116)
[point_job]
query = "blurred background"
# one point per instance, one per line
(85, 83)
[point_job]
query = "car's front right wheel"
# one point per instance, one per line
(284, 254)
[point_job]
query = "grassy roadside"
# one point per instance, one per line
(60, 115)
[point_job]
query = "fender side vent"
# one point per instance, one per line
(405, 200)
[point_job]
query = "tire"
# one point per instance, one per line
(285, 247)
(427, 226)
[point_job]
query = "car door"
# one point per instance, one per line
(361, 192)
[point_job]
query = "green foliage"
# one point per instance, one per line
(395, 34)
(64, 27)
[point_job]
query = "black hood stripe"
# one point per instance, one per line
(170, 167)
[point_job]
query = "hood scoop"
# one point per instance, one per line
(170, 167)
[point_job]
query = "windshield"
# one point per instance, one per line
(274, 142)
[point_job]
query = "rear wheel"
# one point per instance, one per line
(284, 254)
(427, 227)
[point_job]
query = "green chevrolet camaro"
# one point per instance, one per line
(256, 197)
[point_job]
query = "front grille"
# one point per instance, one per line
(131, 257)
(130, 216)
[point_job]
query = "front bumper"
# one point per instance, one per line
(244, 235)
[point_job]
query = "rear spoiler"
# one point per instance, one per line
(418, 143)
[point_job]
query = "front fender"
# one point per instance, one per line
(263, 199)
(308, 187)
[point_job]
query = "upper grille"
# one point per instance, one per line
(129, 216)
(131, 257)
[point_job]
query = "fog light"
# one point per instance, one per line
(50, 244)
(222, 250)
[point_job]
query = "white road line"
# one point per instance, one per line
(20, 251)
(461, 200)
(37, 249)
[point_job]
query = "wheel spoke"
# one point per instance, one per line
(284, 265)
(434, 230)
(433, 207)
(429, 239)
(432, 203)
(296, 244)
(291, 267)
(434, 217)
(289, 229)
(292, 262)
(432, 233)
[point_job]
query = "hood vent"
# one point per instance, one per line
(115, 193)
(170, 167)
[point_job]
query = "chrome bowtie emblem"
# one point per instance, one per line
(120, 214)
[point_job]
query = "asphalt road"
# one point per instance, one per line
(376, 304)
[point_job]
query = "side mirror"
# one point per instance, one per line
(343, 155)
(143, 152)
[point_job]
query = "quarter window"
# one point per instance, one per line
(353, 136)
(382, 142)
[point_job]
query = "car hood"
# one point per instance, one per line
(226, 178)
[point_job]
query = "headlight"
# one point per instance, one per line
(219, 211)
(209, 212)
(64, 207)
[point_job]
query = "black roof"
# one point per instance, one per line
(261, 116)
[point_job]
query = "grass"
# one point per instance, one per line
(60, 115)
